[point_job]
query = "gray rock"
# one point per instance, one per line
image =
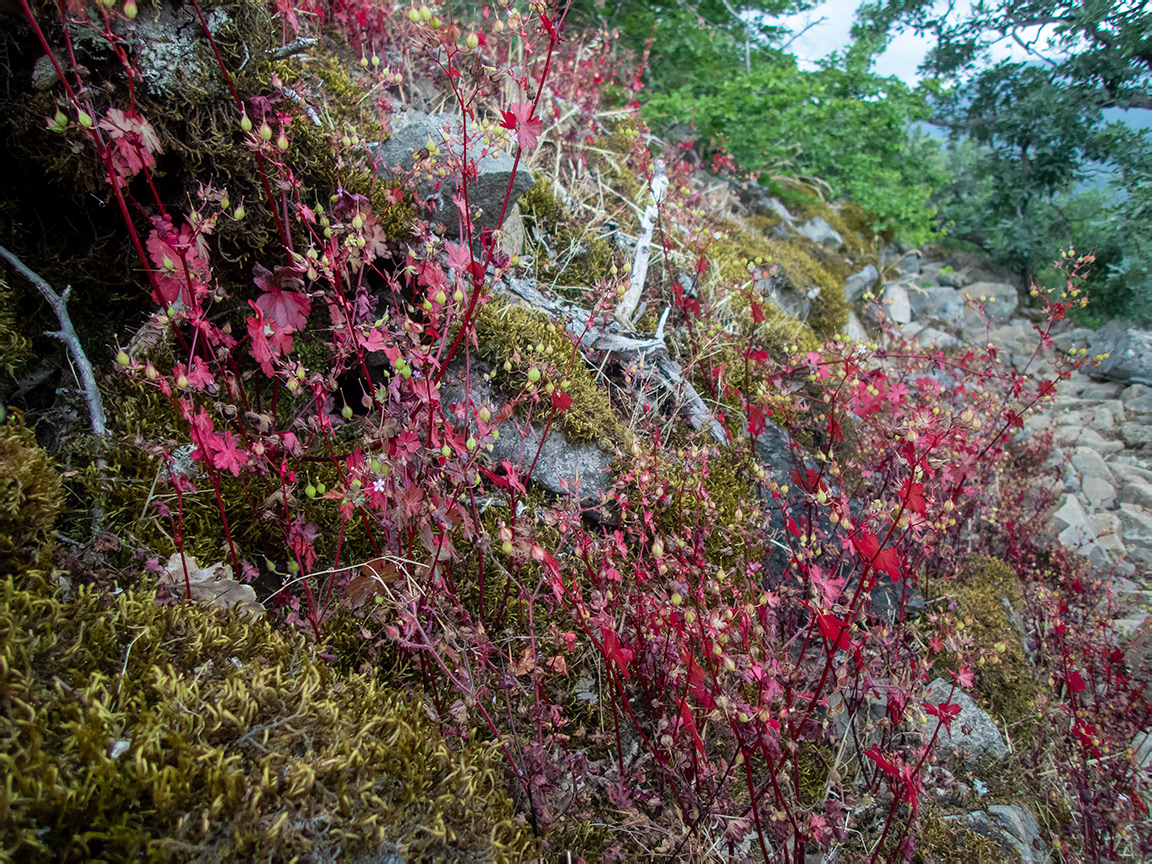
(888, 597)
(1108, 532)
(1102, 390)
(953, 278)
(1136, 523)
(562, 467)
(974, 737)
(897, 304)
(1078, 337)
(1075, 531)
(512, 232)
(931, 337)
(1000, 301)
(1091, 464)
(1129, 350)
(1127, 471)
(1022, 830)
(1137, 399)
(1082, 435)
(855, 330)
(938, 304)
(820, 232)
(1136, 434)
(169, 51)
(411, 133)
(774, 206)
(858, 283)
(1098, 493)
(1136, 491)
(909, 265)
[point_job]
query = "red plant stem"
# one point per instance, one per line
(285, 239)
(478, 278)
(101, 148)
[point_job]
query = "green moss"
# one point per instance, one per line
(800, 266)
(30, 493)
(15, 348)
(983, 594)
(503, 329)
(952, 841)
(583, 259)
(541, 204)
(133, 731)
(848, 228)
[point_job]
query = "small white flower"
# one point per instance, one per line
(378, 485)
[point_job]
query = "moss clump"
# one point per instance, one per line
(133, 731)
(953, 841)
(30, 492)
(985, 594)
(803, 272)
(800, 266)
(583, 259)
(849, 230)
(502, 330)
(541, 204)
(15, 349)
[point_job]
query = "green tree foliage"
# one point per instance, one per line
(1027, 134)
(713, 65)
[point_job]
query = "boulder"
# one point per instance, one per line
(930, 337)
(1109, 390)
(1075, 531)
(1080, 434)
(909, 265)
(938, 304)
(773, 205)
(1017, 829)
(855, 330)
(1108, 532)
(821, 233)
(563, 468)
(1078, 337)
(1136, 522)
(974, 737)
(1089, 463)
(1129, 352)
(897, 304)
(1136, 434)
(1137, 399)
(411, 134)
(888, 596)
(1135, 490)
(860, 282)
(1000, 301)
(1098, 493)
(953, 278)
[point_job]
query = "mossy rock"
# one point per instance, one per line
(988, 595)
(30, 493)
(800, 266)
(503, 329)
(134, 731)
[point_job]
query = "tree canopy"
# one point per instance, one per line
(1041, 120)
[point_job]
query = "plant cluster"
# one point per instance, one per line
(697, 665)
